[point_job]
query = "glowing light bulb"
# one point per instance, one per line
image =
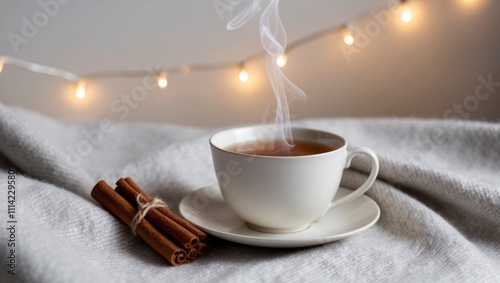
(80, 90)
(468, 2)
(162, 80)
(347, 36)
(406, 15)
(2, 63)
(243, 76)
(281, 61)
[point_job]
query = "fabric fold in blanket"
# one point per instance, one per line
(438, 190)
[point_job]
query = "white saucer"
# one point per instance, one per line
(206, 209)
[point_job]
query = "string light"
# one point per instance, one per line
(470, 2)
(347, 36)
(404, 11)
(281, 60)
(243, 75)
(80, 90)
(162, 80)
(406, 15)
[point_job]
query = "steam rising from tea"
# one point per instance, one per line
(273, 38)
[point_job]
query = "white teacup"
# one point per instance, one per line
(284, 194)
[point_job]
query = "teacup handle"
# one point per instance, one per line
(367, 184)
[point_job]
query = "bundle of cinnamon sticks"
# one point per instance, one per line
(171, 236)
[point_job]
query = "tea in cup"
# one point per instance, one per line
(283, 190)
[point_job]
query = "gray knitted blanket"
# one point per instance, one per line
(438, 190)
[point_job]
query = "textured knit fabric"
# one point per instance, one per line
(438, 190)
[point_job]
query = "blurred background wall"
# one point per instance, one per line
(433, 66)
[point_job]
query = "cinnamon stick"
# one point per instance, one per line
(192, 253)
(201, 248)
(190, 227)
(159, 220)
(123, 210)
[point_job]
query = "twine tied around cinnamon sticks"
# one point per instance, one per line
(174, 238)
(142, 210)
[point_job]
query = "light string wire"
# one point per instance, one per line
(37, 68)
(163, 73)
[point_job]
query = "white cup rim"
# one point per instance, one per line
(341, 140)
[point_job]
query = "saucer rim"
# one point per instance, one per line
(276, 240)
